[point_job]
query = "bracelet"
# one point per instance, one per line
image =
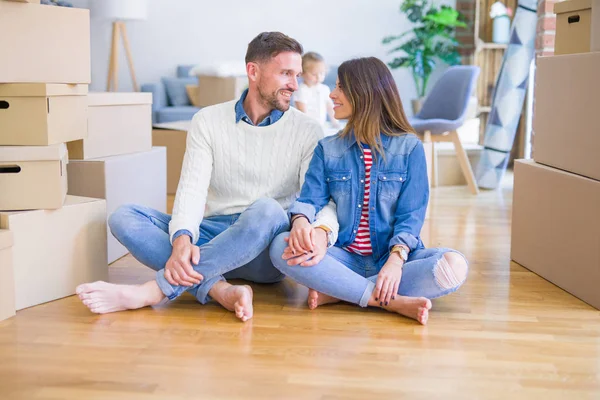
(296, 216)
(324, 227)
(398, 249)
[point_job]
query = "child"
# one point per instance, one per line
(312, 96)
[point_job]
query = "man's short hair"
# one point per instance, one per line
(269, 44)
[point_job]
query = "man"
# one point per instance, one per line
(244, 165)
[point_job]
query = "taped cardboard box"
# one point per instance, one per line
(44, 44)
(118, 123)
(138, 178)
(56, 250)
(219, 89)
(7, 281)
(40, 114)
(556, 228)
(173, 136)
(577, 26)
(33, 177)
(566, 109)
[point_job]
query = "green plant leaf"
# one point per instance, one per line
(430, 40)
(389, 39)
(445, 17)
(399, 62)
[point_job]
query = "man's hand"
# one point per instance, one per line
(301, 239)
(308, 259)
(388, 280)
(179, 270)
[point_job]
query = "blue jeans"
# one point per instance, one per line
(231, 246)
(351, 277)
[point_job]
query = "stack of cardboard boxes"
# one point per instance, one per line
(116, 161)
(68, 158)
(49, 242)
(556, 208)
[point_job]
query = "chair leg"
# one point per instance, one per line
(429, 157)
(434, 166)
(463, 160)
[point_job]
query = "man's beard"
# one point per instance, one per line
(272, 101)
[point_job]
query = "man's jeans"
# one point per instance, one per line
(231, 246)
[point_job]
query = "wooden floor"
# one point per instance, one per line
(506, 334)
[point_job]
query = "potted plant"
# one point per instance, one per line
(431, 39)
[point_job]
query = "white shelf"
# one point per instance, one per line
(491, 46)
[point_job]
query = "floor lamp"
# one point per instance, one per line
(119, 11)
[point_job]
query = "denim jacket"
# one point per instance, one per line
(398, 197)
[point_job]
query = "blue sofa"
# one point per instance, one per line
(164, 111)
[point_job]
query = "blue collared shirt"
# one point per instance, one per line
(240, 115)
(399, 191)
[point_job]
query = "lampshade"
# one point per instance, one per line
(119, 9)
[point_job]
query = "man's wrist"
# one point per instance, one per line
(182, 238)
(296, 217)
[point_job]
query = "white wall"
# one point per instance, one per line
(204, 32)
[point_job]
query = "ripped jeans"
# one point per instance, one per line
(351, 277)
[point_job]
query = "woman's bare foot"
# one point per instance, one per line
(416, 308)
(316, 299)
(234, 298)
(102, 297)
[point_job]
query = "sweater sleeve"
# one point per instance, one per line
(328, 215)
(190, 199)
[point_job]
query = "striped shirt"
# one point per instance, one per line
(362, 242)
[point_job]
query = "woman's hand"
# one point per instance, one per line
(388, 280)
(301, 239)
(312, 258)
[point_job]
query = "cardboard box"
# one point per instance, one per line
(192, 92)
(556, 228)
(40, 114)
(7, 281)
(173, 136)
(218, 89)
(566, 109)
(138, 178)
(33, 177)
(448, 167)
(56, 250)
(577, 26)
(118, 123)
(44, 44)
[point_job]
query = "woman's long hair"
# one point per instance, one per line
(376, 106)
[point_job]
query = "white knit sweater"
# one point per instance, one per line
(227, 166)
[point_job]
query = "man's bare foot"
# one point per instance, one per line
(316, 299)
(102, 298)
(236, 298)
(412, 307)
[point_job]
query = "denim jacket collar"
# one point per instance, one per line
(350, 140)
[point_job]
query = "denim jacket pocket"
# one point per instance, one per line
(339, 182)
(390, 183)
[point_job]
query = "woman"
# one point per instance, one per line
(375, 172)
